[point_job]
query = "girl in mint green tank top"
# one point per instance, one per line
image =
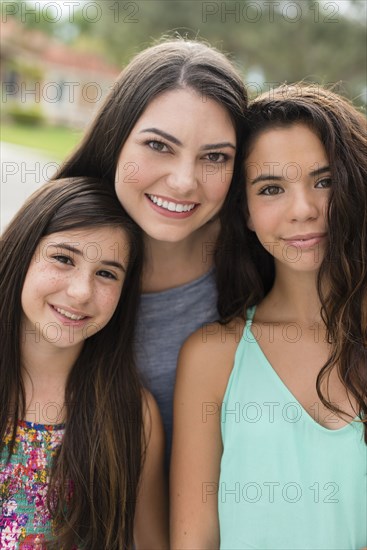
(269, 448)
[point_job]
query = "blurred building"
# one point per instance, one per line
(42, 78)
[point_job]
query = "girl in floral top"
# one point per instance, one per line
(80, 442)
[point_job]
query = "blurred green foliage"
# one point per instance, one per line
(30, 116)
(272, 41)
(55, 141)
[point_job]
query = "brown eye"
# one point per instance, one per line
(62, 259)
(217, 157)
(156, 145)
(323, 184)
(106, 274)
(271, 190)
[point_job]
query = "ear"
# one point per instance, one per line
(250, 225)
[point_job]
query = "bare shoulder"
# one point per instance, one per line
(205, 364)
(207, 356)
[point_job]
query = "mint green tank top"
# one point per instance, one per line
(286, 482)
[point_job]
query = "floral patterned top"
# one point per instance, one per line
(25, 522)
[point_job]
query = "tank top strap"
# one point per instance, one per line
(250, 313)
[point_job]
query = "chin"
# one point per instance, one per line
(167, 236)
(314, 268)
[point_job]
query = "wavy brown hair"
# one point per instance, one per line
(245, 269)
(103, 445)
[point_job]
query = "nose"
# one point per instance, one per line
(303, 206)
(182, 178)
(80, 287)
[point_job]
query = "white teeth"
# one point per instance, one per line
(69, 315)
(171, 206)
(188, 207)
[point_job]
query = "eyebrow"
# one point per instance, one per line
(78, 252)
(264, 177)
(176, 141)
(320, 171)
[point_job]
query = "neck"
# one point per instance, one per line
(171, 264)
(45, 372)
(46, 359)
(294, 297)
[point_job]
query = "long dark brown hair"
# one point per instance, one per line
(103, 446)
(245, 269)
(170, 65)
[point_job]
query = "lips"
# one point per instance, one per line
(172, 206)
(69, 316)
(304, 241)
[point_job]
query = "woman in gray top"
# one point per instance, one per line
(168, 138)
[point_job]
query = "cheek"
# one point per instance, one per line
(40, 281)
(132, 180)
(108, 300)
(216, 186)
(128, 175)
(261, 220)
(135, 171)
(261, 217)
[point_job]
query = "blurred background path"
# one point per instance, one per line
(22, 171)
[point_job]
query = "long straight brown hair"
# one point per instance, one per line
(103, 445)
(246, 270)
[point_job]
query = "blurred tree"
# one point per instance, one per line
(315, 42)
(285, 41)
(44, 17)
(272, 40)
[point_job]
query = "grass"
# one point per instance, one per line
(54, 141)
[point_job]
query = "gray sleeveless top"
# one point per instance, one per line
(165, 320)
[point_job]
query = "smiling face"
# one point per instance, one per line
(288, 186)
(176, 166)
(73, 286)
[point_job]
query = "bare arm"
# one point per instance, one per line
(151, 515)
(202, 375)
